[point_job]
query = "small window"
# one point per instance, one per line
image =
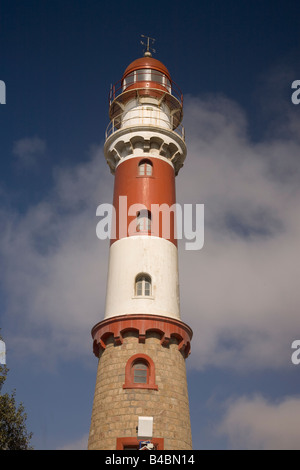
(140, 373)
(145, 168)
(143, 285)
(143, 223)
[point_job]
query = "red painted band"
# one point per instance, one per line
(150, 192)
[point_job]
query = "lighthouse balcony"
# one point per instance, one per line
(147, 93)
(144, 117)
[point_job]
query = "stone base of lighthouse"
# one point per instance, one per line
(162, 345)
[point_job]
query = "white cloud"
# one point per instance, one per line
(28, 150)
(256, 424)
(239, 293)
(54, 267)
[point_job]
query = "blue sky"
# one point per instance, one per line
(235, 62)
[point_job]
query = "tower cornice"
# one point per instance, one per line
(142, 324)
(148, 140)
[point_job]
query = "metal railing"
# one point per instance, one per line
(169, 87)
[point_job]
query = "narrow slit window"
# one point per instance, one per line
(139, 287)
(147, 287)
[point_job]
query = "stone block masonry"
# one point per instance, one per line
(116, 409)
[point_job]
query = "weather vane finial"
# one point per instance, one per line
(147, 52)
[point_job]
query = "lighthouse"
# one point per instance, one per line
(141, 395)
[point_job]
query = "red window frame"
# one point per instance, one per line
(129, 372)
(133, 442)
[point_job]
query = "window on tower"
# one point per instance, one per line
(140, 372)
(132, 443)
(143, 285)
(143, 221)
(145, 168)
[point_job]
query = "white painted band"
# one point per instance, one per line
(154, 256)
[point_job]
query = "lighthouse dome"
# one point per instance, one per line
(147, 72)
(147, 63)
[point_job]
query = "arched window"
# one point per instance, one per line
(140, 372)
(143, 285)
(145, 168)
(143, 221)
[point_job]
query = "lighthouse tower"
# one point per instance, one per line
(142, 343)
